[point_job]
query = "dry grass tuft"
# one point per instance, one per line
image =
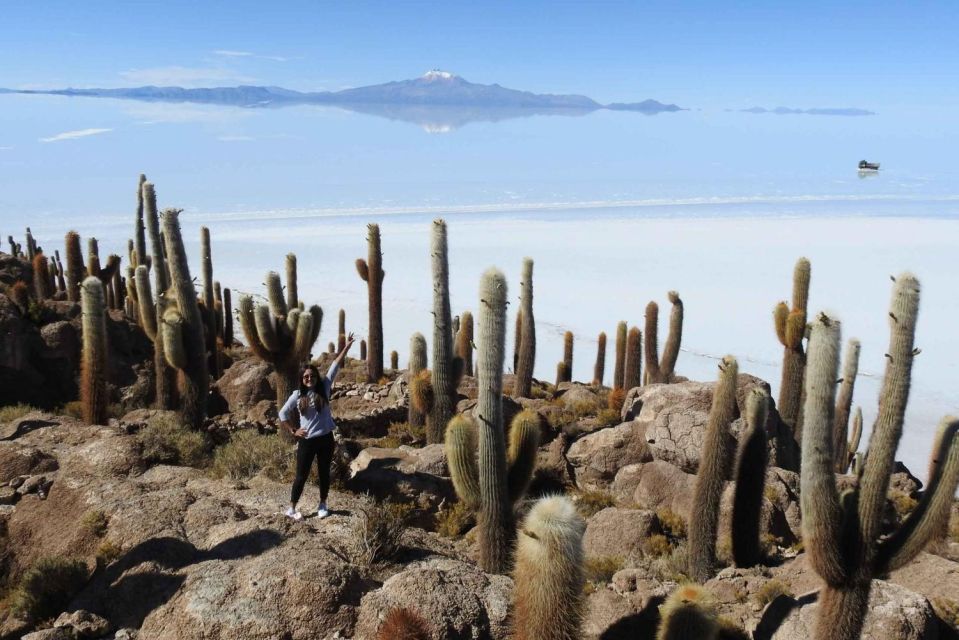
(589, 502)
(453, 520)
(13, 412)
(165, 441)
(95, 522)
(248, 453)
(772, 590)
(47, 587)
(378, 530)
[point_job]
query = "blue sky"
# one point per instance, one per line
(873, 55)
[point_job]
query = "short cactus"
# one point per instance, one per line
(568, 356)
(417, 414)
(93, 366)
(464, 342)
(619, 368)
(341, 331)
(633, 376)
(363, 350)
(549, 579)
(75, 269)
(526, 335)
(371, 271)
(227, 317)
(403, 624)
(394, 360)
(751, 464)
(689, 612)
(599, 369)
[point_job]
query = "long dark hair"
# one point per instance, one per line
(322, 399)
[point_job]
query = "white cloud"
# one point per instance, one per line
(185, 76)
(70, 135)
(247, 54)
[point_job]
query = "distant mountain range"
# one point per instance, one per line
(445, 91)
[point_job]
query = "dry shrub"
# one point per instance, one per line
(600, 569)
(95, 522)
(657, 545)
(249, 453)
(903, 503)
(378, 529)
(107, 552)
(387, 442)
(47, 587)
(615, 399)
(13, 412)
(581, 408)
(403, 624)
(166, 441)
(772, 590)
(671, 567)
(407, 433)
(672, 524)
(454, 520)
(74, 409)
(730, 630)
(608, 417)
(590, 502)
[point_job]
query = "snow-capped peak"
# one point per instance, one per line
(436, 74)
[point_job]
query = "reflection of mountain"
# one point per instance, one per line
(437, 100)
(820, 111)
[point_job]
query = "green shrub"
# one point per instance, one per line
(378, 529)
(454, 520)
(249, 453)
(13, 412)
(47, 587)
(772, 590)
(95, 522)
(590, 502)
(166, 441)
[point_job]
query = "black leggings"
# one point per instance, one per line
(322, 449)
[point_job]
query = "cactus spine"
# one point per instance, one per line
(417, 415)
(633, 376)
(843, 406)
(500, 481)
(711, 478)
(689, 612)
(445, 375)
(75, 269)
(526, 335)
(751, 464)
(183, 342)
(599, 369)
(549, 573)
(842, 535)
(790, 329)
(464, 342)
(371, 271)
(619, 369)
(279, 335)
(93, 375)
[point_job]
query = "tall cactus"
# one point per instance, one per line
(844, 405)
(75, 268)
(711, 477)
(619, 368)
(526, 356)
(165, 375)
(446, 372)
(93, 373)
(208, 308)
(279, 335)
(751, 464)
(227, 317)
(140, 255)
(371, 271)
(663, 369)
(492, 482)
(464, 342)
(417, 415)
(790, 326)
(184, 345)
(633, 377)
(599, 369)
(568, 356)
(341, 331)
(548, 574)
(842, 533)
(41, 277)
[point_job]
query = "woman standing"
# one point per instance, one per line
(315, 435)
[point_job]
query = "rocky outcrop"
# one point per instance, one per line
(616, 532)
(597, 457)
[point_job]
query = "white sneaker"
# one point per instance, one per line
(293, 513)
(322, 511)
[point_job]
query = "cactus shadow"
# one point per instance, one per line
(637, 626)
(777, 611)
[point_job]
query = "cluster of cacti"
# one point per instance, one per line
(278, 333)
(599, 368)
(106, 274)
(419, 382)
(93, 363)
(371, 271)
(447, 369)
(790, 326)
(15, 247)
(841, 533)
(619, 367)
(486, 478)
(464, 342)
(548, 574)
(633, 374)
(525, 335)
(663, 369)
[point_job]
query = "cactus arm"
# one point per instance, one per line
(148, 314)
(303, 341)
(496, 518)
(652, 343)
(780, 316)
(266, 329)
(801, 276)
(526, 335)
(274, 293)
(74, 265)
(247, 316)
(464, 341)
(853, 445)
(895, 392)
(750, 481)
(363, 269)
(140, 248)
(568, 356)
(172, 332)
(461, 446)
(932, 512)
(844, 404)
(292, 320)
(521, 456)
(157, 250)
(292, 292)
(819, 499)
(417, 414)
(316, 312)
(113, 265)
(711, 477)
(667, 364)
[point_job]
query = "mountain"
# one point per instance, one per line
(437, 100)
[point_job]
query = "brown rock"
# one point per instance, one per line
(245, 384)
(663, 485)
(618, 532)
(597, 458)
(84, 624)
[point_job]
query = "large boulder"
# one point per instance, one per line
(403, 475)
(245, 384)
(597, 458)
(618, 532)
(457, 599)
(656, 485)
